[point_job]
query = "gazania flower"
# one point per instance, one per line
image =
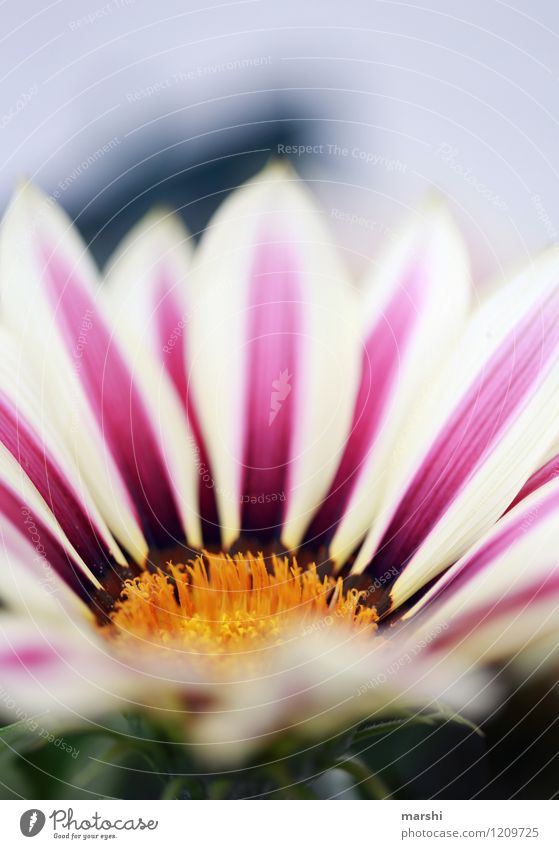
(246, 496)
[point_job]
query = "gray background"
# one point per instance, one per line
(152, 96)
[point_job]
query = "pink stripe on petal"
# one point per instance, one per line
(382, 355)
(499, 541)
(271, 356)
(171, 323)
(47, 546)
(171, 327)
(510, 606)
(28, 658)
(488, 408)
(548, 472)
(116, 403)
(25, 446)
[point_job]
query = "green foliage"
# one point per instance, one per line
(130, 757)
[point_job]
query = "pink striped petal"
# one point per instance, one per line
(58, 672)
(508, 628)
(148, 283)
(131, 440)
(417, 303)
(548, 472)
(48, 468)
(22, 519)
(28, 581)
(272, 364)
(147, 280)
(503, 596)
(499, 404)
(273, 358)
(26, 521)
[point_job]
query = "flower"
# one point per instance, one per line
(245, 496)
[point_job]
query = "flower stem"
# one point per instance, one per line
(287, 786)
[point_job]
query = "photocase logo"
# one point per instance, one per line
(32, 822)
(280, 390)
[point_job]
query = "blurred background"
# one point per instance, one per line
(115, 105)
(112, 105)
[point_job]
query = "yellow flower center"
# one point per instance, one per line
(220, 605)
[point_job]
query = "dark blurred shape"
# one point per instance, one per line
(523, 744)
(194, 189)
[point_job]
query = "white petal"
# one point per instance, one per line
(324, 683)
(415, 306)
(30, 436)
(59, 672)
(491, 417)
(120, 419)
(273, 355)
(147, 281)
(502, 597)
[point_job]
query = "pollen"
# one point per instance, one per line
(219, 604)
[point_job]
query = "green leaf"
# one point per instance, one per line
(447, 714)
(369, 784)
(442, 715)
